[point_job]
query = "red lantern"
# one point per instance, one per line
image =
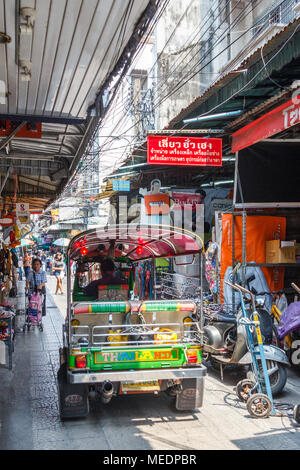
(139, 250)
(83, 250)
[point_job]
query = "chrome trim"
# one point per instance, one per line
(137, 375)
(266, 205)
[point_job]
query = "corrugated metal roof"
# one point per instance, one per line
(227, 76)
(72, 48)
(283, 95)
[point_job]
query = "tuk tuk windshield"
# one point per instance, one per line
(133, 257)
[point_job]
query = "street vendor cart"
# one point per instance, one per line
(118, 344)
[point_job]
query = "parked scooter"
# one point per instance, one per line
(225, 343)
(289, 329)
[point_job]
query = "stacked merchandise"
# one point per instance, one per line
(7, 316)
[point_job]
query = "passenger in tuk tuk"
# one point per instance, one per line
(107, 269)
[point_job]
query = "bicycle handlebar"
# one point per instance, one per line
(241, 289)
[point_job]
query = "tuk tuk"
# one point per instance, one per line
(119, 343)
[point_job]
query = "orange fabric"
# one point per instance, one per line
(259, 230)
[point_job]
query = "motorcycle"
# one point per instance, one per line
(225, 343)
(289, 329)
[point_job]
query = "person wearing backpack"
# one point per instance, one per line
(36, 280)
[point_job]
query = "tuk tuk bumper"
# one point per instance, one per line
(198, 372)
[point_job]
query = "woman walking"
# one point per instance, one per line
(36, 282)
(59, 271)
(36, 279)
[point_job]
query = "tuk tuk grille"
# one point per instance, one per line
(97, 336)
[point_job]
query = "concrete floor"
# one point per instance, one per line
(29, 408)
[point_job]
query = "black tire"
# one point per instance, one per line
(243, 389)
(296, 413)
(259, 405)
(191, 395)
(278, 379)
(66, 390)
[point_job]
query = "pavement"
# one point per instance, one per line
(29, 416)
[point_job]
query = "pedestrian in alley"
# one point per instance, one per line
(36, 282)
(44, 260)
(26, 264)
(36, 279)
(59, 271)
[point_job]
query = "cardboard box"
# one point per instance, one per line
(278, 251)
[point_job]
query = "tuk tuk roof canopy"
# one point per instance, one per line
(134, 242)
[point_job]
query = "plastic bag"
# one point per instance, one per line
(282, 303)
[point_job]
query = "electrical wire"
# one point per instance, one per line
(157, 59)
(228, 98)
(238, 90)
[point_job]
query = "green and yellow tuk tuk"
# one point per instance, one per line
(117, 343)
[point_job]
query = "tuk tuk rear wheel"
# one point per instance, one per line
(73, 398)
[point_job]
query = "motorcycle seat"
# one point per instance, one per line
(225, 317)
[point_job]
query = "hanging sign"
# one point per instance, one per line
(23, 212)
(29, 130)
(121, 185)
(186, 200)
(156, 204)
(7, 221)
(220, 205)
(281, 118)
(185, 151)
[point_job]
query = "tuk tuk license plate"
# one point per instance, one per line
(150, 386)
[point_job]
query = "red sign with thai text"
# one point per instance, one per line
(187, 151)
(277, 120)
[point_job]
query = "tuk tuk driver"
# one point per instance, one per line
(107, 269)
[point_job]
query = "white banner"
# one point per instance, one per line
(22, 212)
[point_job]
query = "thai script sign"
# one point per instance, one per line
(187, 151)
(277, 120)
(137, 356)
(187, 201)
(121, 185)
(23, 212)
(157, 204)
